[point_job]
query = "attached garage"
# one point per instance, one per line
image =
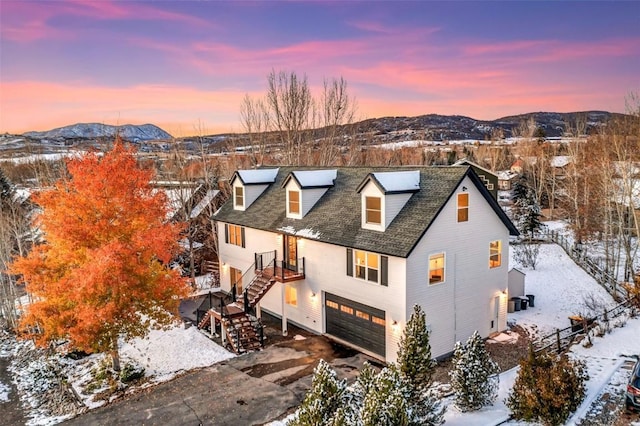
(358, 324)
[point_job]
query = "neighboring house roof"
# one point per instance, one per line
(507, 175)
(312, 178)
(465, 162)
(336, 217)
(560, 160)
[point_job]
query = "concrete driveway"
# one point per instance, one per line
(251, 389)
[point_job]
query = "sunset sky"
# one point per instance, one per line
(185, 65)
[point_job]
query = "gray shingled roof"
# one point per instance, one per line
(335, 218)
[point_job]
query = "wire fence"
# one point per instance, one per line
(562, 339)
(594, 267)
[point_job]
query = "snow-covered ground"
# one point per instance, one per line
(560, 288)
(163, 354)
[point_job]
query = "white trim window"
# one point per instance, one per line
(367, 266)
(436, 268)
(495, 254)
(463, 207)
(238, 197)
(291, 295)
(294, 202)
(373, 210)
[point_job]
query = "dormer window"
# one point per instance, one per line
(294, 202)
(383, 195)
(248, 185)
(304, 188)
(373, 210)
(238, 199)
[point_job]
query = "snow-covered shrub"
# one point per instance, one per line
(323, 400)
(474, 377)
(416, 368)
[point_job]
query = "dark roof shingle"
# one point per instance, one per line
(335, 218)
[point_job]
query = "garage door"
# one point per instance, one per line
(361, 325)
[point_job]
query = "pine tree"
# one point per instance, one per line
(6, 188)
(474, 376)
(416, 367)
(414, 353)
(350, 413)
(324, 399)
(548, 388)
(386, 404)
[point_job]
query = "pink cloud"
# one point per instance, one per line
(28, 21)
(32, 105)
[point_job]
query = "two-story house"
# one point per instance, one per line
(349, 251)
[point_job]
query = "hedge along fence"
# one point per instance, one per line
(562, 339)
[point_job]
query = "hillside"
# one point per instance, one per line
(129, 132)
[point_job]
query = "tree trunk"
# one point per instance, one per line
(115, 355)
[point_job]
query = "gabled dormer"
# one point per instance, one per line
(383, 195)
(304, 188)
(248, 185)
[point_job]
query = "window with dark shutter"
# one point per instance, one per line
(384, 266)
(226, 233)
(242, 236)
(350, 262)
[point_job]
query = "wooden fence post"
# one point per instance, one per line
(558, 340)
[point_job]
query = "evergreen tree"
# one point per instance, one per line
(416, 368)
(528, 220)
(323, 400)
(548, 388)
(386, 404)
(414, 353)
(6, 188)
(350, 413)
(474, 376)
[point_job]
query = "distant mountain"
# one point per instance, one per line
(128, 132)
(457, 127)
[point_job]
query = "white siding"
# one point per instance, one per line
(308, 198)
(325, 271)
(464, 302)
(393, 204)
(251, 193)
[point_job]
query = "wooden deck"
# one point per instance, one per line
(283, 275)
(231, 310)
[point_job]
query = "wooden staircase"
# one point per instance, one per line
(241, 333)
(256, 289)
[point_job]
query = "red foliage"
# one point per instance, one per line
(102, 272)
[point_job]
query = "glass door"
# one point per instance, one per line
(291, 252)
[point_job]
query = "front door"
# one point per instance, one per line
(291, 252)
(496, 315)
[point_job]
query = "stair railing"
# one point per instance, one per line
(234, 286)
(245, 293)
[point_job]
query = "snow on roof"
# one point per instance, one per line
(204, 202)
(258, 176)
(398, 181)
(506, 175)
(305, 233)
(315, 178)
(560, 160)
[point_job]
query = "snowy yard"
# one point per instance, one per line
(561, 289)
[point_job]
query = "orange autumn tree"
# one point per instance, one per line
(102, 273)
